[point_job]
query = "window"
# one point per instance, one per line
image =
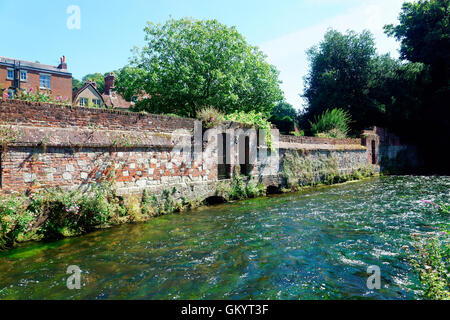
(10, 75)
(97, 102)
(23, 75)
(84, 102)
(44, 81)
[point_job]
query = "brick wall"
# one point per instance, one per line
(75, 147)
(48, 115)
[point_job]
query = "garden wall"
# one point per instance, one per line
(48, 146)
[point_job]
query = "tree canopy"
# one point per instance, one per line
(424, 34)
(344, 70)
(189, 64)
(284, 109)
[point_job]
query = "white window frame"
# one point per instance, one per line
(97, 102)
(84, 104)
(7, 74)
(26, 75)
(49, 81)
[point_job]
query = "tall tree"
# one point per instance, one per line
(190, 64)
(343, 67)
(424, 34)
(284, 109)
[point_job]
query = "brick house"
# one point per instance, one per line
(88, 95)
(19, 74)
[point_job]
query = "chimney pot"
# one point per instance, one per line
(63, 64)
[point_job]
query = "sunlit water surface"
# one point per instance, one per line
(310, 245)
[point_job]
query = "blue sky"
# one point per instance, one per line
(283, 29)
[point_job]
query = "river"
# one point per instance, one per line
(315, 244)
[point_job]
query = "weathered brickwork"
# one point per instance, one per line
(132, 170)
(58, 146)
(48, 115)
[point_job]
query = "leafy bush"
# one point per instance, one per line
(95, 209)
(332, 124)
(238, 189)
(8, 135)
(253, 119)
(37, 95)
(14, 220)
(57, 212)
(431, 262)
(210, 116)
(285, 124)
(299, 133)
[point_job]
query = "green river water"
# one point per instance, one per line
(315, 244)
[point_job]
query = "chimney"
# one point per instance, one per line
(63, 64)
(93, 83)
(109, 83)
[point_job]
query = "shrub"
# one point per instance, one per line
(285, 124)
(332, 124)
(95, 208)
(253, 119)
(210, 116)
(57, 212)
(431, 262)
(134, 209)
(14, 220)
(8, 135)
(149, 204)
(40, 96)
(299, 133)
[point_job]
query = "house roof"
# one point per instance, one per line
(33, 66)
(76, 93)
(115, 100)
(111, 100)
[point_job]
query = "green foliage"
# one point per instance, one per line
(422, 98)
(431, 262)
(284, 109)
(8, 135)
(98, 78)
(343, 74)
(332, 123)
(55, 213)
(239, 189)
(424, 31)
(299, 133)
(210, 116)
(37, 95)
(76, 84)
(253, 119)
(285, 125)
(188, 64)
(14, 220)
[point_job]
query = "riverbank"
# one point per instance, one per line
(55, 214)
(312, 244)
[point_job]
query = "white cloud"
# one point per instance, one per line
(288, 53)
